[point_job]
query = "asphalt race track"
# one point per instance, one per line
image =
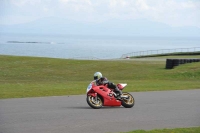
(71, 114)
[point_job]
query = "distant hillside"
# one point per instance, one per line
(140, 27)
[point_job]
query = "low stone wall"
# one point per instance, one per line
(171, 63)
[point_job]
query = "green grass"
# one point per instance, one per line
(35, 77)
(176, 130)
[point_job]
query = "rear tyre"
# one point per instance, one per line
(95, 103)
(128, 102)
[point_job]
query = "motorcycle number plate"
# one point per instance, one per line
(89, 87)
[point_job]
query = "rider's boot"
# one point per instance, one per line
(119, 92)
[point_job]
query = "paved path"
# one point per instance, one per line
(71, 114)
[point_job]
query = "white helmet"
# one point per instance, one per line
(97, 75)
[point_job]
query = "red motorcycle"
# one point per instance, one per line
(98, 96)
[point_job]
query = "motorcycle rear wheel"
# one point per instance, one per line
(92, 102)
(128, 102)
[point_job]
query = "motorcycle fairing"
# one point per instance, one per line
(121, 86)
(106, 93)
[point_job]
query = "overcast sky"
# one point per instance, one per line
(171, 12)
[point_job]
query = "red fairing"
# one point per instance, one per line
(106, 94)
(121, 86)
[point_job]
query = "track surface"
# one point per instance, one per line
(71, 114)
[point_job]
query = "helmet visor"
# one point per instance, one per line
(95, 77)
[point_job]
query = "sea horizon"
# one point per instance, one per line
(88, 46)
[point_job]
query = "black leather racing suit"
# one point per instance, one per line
(104, 80)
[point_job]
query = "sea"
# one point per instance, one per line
(90, 46)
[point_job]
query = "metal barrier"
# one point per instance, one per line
(160, 52)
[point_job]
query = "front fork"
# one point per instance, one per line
(94, 97)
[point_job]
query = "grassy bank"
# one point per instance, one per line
(176, 130)
(34, 77)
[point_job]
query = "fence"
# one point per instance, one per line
(160, 51)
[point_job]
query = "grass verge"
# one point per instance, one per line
(176, 130)
(35, 77)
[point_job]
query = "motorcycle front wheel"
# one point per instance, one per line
(94, 102)
(129, 101)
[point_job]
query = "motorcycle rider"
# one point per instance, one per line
(100, 80)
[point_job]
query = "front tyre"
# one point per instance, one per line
(94, 102)
(129, 101)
